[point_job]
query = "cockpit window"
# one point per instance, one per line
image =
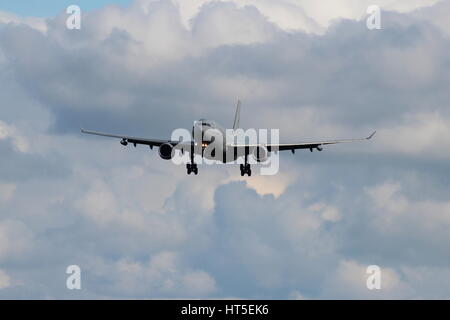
(206, 123)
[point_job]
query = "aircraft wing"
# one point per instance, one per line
(303, 145)
(133, 140)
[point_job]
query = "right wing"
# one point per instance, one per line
(295, 146)
(133, 140)
(314, 145)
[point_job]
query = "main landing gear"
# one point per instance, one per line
(245, 168)
(192, 168)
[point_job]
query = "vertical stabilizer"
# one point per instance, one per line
(237, 116)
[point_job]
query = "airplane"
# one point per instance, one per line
(205, 133)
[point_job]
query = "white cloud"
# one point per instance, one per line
(327, 213)
(225, 24)
(350, 282)
(408, 282)
(307, 15)
(5, 280)
(7, 191)
(429, 282)
(16, 240)
(35, 23)
(429, 215)
(264, 185)
(324, 12)
(100, 204)
(199, 283)
(20, 143)
(436, 15)
(162, 276)
(421, 135)
(296, 295)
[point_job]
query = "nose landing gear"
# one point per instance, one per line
(192, 167)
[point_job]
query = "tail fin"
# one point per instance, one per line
(237, 116)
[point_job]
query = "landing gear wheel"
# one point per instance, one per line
(246, 170)
(192, 168)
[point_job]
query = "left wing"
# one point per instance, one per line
(307, 145)
(133, 140)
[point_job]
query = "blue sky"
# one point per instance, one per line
(48, 8)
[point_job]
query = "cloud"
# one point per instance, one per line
(35, 23)
(393, 209)
(349, 282)
(7, 192)
(9, 132)
(161, 275)
(267, 262)
(16, 240)
(224, 24)
(416, 135)
(19, 163)
(436, 16)
(305, 15)
(5, 280)
(265, 185)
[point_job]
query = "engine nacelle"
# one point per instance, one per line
(166, 151)
(260, 153)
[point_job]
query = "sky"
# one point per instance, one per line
(139, 227)
(50, 8)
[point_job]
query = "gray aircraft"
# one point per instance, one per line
(210, 141)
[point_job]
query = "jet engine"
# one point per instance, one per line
(166, 151)
(260, 153)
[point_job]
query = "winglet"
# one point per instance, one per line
(370, 137)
